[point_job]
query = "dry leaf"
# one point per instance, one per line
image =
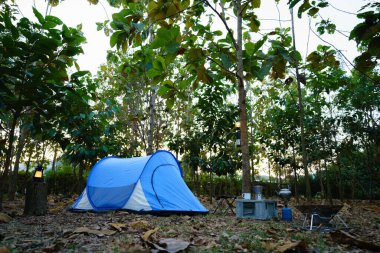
(300, 245)
(173, 245)
(4, 249)
(139, 225)
(99, 233)
(118, 226)
(49, 249)
(269, 246)
(4, 218)
(149, 234)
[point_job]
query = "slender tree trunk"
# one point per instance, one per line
(340, 181)
(320, 178)
(246, 180)
(328, 185)
(152, 120)
(8, 159)
(152, 107)
(353, 184)
(20, 147)
(270, 179)
(211, 192)
(29, 159)
(53, 168)
(44, 148)
(80, 177)
(295, 176)
(302, 118)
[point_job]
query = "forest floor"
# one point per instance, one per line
(64, 231)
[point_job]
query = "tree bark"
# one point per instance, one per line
(152, 120)
(246, 180)
(8, 159)
(53, 168)
(295, 176)
(20, 147)
(320, 178)
(302, 118)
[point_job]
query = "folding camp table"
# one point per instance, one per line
(225, 203)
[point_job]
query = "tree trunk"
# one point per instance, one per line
(80, 177)
(53, 168)
(20, 147)
(246, 178)
(320, 178)
(211, 192)
(29, 159)
(328, 185)
(8, 159)
(152, 120)
(295, 176)
(302, 118)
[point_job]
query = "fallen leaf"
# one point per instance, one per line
(271, 232)
(118, 226)
(49, 249)
(268, 246)
(173, 245)
(140, 225)
(100, 233)
(4, 249)
(186, 217)
(299, 246)
(5, 218)
(149, 233)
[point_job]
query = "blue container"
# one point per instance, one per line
(287, 214)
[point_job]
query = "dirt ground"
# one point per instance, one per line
(64, 231)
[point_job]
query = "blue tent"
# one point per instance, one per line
(144, 184)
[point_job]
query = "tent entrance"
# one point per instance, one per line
(109, 198)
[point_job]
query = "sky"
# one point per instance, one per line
(74, 12)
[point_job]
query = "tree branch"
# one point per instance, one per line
(221, 66)
(224, 22)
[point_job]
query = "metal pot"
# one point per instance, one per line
(285, 194)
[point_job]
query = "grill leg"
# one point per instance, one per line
(311, 222)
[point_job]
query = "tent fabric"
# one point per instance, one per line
(144, 184)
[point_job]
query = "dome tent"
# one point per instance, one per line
(144, 184)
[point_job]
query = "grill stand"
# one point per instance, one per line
(326, 220)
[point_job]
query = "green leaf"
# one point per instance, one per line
(172, 47)
(226, 61)
(79, 74)
(159, 63)
(39, 16)
(152, 73)
(114, 38)
(49, 25)
(157, 43)
(254, 24)
(249, 46)
(255, 3)
(313, 11)
(304, 7)
(54, 20)
(264, 70)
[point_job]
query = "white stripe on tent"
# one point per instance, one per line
(84, 203)
(137, 201)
